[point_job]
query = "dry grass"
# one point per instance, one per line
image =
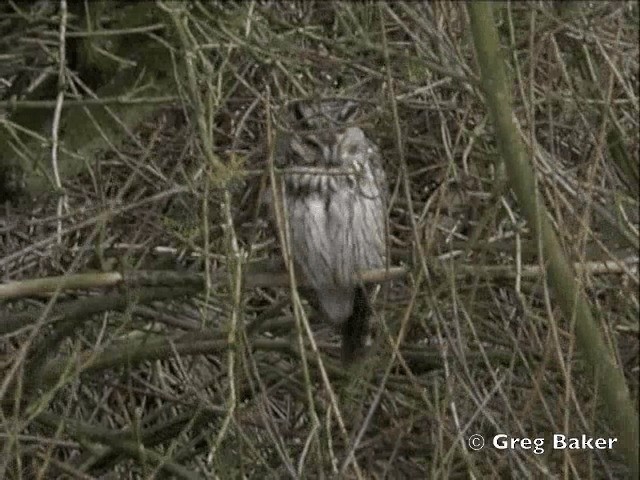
(485, 350)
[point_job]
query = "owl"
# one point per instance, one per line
(334, 197)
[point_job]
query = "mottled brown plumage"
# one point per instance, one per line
(336, 212)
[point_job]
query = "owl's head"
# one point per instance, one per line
(323, 136)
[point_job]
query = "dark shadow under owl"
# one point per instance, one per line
(334, 194)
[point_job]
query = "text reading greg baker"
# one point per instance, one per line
(558, 442)
(537, 446)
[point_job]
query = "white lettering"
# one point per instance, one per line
(500, 441)
(559, 442)
(539, 446)
(583, 442)
(504, 442)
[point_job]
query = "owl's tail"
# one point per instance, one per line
(356, 329)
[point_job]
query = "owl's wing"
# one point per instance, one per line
(372, 182)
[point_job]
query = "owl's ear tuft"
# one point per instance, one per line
(324, 113)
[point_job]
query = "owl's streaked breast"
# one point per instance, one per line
(335, 199)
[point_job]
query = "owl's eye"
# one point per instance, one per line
(348, 112)
(352, 149)
(312, 143)
(305, 147)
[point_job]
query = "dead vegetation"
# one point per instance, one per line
(160, 123)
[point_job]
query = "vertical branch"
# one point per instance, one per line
(235, 272)
(57, 113)
(561, 277)
(194, 63)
